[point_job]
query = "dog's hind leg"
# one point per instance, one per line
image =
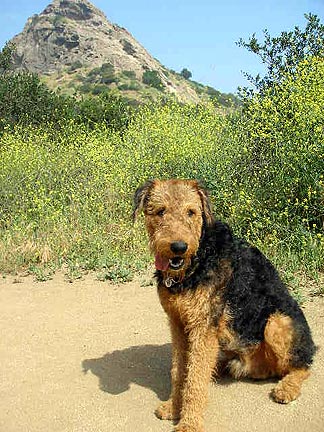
(288, 389)
(273, 358)
(280, 337)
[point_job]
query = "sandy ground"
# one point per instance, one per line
(91, 356)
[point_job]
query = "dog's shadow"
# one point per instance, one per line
(145, 365)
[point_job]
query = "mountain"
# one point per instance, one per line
(77, 49)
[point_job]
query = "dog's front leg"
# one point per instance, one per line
(201, 361)
(170, 410)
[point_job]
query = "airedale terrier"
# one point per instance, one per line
(225, 302)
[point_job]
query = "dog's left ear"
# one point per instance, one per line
(206, 207)
(140, 196)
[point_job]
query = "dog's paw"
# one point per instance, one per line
(183, 427)
(284, 393)
(166, 411)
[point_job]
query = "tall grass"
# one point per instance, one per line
(67, 197)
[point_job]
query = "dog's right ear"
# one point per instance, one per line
(140, 196)
(207, 211)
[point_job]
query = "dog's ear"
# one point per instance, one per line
(206, 207)
(140, 196)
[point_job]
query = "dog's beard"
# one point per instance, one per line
(173, 269)
(169, 264)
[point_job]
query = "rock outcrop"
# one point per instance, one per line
(74, 32)
(76, 48)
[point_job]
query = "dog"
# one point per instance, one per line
(226, 304)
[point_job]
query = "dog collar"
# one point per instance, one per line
(168, 282)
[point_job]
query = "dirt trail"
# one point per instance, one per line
(95, 357)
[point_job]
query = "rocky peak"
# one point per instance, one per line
(78, 10)
(74, 32)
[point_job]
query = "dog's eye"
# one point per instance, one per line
(160, 212)
(191, 212)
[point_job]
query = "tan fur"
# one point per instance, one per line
(279, 335)
(272, 358)
(195, 350)
(288, 389)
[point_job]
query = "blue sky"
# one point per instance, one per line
(198, 35)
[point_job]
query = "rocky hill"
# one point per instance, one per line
(76, 48)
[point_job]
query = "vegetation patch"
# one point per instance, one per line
(70, 168)
(152, 79)
(128, 47)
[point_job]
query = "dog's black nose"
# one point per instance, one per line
(179, 247)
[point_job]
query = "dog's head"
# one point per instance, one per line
(175, 213)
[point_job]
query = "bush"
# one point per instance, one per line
(68, 195)
(281, 55)
(57, 203)
(24, 99)
(74, 66)
(101, 75)
(6, 57)
(152, 79)
(132, 85)
(285, 147)
(107, 108)
(129, 74)
(276, 191)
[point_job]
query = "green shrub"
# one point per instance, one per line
(25, 99)
(282, 54)
(108, 80)
(67, 196)
(104, 74)
(132, 85)
(152, 79)
(283, 161)
(74, 66)
(276, 192)
(107, 108)
(129, 74)
(107, 68)
(58, 202)
(6, 55)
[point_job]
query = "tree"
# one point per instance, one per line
(6, 55)
(186, 73)
(282, 54)
(25, 100)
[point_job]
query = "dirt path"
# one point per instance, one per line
(95, 357)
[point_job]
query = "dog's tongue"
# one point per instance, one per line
(161, 263)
